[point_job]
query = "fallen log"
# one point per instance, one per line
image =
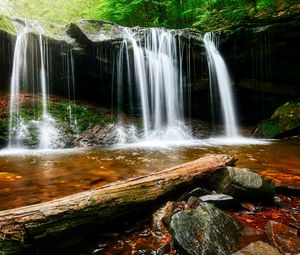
(47, 224)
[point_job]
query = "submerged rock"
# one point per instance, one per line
(241, 183)
(258, 248)
(205, 231)
(284, 122)
(285, 238)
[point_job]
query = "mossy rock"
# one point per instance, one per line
(205, 230)
(241, 183)
(284, 122)
(95, 31)
(70, 126)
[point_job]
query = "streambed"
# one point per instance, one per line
(30, 177)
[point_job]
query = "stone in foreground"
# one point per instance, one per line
(205, 231)
(258, 248)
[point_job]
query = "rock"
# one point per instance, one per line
(193, 202)
(205, 230)
(258, 248)
(283, 123)
(163, 216)
(270, 83)
(219, 200)
(95, 31)
(99, 136)
(241, 183)
(285, 238)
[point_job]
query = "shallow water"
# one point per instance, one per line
(29, 177)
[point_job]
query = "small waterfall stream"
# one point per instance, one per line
(218, 69)
(16, 126)
(23, 76)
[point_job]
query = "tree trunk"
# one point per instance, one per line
(47, 224)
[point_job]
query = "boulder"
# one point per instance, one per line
(108, 134)
(258, 248)
(95, 31)
(283, 237)
(205, 231)
(283, 123)
(241, 183)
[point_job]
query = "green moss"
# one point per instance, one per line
(268, 129)
(91, 27)
(70, 126)
(6, 25)
(106, 27)
(285, 118)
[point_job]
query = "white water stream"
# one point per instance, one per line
(217, 68)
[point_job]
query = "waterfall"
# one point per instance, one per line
(49, 135)
(219, 72)
(157, 77)
(24, 75)
(17, 129)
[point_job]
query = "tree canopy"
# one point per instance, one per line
(168, 13)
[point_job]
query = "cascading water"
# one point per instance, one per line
(17, 130)
(218, 69)
(157, 78)
(49, 135)
(19, 127)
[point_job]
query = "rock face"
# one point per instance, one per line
(205, 231)
(285, 238)
(258, 248)
(284, 122)
(262, 57)
(241, 183)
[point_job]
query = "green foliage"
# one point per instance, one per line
(6, 25)
(204, 14)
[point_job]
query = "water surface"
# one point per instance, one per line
(30, 177)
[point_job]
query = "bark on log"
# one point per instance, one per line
(44, 224)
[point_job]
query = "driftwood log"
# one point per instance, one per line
(32, 228)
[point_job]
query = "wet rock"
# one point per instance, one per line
(284, 238)
(97, 136)
(219, 200)
(241, 183)
(283, 123)
(193, 202)
(205, 230)
(258, 248)
(163, 216)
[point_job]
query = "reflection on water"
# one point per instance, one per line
(29, 178)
